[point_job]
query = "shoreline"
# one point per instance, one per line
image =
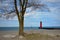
(5, 35)
(45, 31)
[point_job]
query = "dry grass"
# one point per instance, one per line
(34, 36)
(37, 36)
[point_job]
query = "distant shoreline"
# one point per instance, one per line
(25, 28)
(48, 28)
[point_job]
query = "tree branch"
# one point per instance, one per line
(15, 3)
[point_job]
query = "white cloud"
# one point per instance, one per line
(53, 14)
(14, 18)
(31, 24)
(52, 0)
(30, 13)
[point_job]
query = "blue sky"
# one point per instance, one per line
(33, 18)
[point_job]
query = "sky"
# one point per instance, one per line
(49, 19)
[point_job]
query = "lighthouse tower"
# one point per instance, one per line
(40, 25)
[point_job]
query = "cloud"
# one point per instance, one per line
(54, 14)
(31, 24)
(48, 18)
(30, 13)
(52, 0)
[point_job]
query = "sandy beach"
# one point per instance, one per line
(41, 34)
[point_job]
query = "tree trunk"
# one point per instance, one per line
(21, 25)
(20, 16)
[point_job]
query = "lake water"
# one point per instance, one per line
(25, 28)
(17, 28)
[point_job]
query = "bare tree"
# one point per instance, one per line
(23, 4)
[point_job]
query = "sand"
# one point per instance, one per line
(41, 34)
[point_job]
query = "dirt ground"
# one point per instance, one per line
(31, 35)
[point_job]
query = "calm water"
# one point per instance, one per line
(16, 28)
(25, 28)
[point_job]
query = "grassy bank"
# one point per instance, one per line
(37, 36)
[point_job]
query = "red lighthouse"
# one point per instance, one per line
(40, 25)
